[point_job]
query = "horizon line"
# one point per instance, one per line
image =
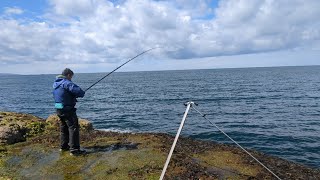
(162, 70)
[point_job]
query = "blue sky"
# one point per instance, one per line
(31, 8)
(30, 5)
(45, 36)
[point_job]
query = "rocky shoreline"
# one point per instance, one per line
(29, 150)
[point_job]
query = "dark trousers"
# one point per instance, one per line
(69, 129)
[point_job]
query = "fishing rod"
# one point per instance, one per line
(191, 105)
(119, 67)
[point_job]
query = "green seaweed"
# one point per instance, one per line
(35, 128)
(128, 156)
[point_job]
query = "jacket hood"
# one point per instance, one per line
(59, 80)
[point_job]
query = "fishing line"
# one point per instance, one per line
(204, 116)
(120, 67)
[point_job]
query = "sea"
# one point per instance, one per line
(275, 110)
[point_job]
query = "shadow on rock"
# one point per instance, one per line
(112, 147)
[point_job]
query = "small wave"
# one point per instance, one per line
(116, 130)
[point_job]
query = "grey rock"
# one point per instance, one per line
(11, 134)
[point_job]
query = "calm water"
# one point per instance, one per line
(273, 110)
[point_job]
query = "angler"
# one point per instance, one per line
(65, 94)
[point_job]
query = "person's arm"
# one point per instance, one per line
(75, 90)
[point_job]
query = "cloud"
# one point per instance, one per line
(198, 9)
(12, 11)
(73, 8)
(240, 27)
(100, 31)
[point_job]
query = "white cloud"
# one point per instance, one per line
(196, 8)
(99, 31)
(239, 61)
(12, 10)
(259, 26)
(74, 8)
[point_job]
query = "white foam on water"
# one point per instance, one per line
(116, 130)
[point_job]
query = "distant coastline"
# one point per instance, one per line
(171, 70)
(224, 68)
(6, 74)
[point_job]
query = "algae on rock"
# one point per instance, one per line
(133, 156)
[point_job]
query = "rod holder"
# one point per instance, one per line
(188, 104)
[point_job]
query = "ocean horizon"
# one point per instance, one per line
(274, 110)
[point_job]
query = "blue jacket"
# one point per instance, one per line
(66, 92)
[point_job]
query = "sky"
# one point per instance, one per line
(45, 36)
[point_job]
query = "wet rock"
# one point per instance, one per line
(11, 134)
(113, 155)
(85, 125)
(22, 120)
(53, 120)
(15, 127)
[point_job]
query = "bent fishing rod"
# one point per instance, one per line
(119, 67)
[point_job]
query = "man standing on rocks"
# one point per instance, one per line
(65, 94)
